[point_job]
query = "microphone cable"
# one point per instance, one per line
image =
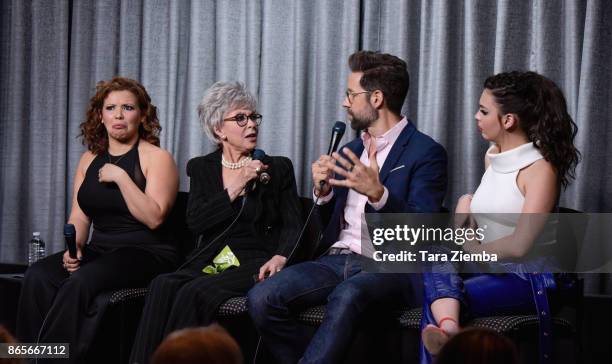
(202, 250)
(297, 243)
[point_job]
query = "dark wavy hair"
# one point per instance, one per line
(93, 131)
(383, 72)
(542, 114)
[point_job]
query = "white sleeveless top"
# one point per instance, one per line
(498, 200)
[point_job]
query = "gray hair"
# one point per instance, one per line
(219, 99)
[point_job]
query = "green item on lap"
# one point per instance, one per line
(222, 261)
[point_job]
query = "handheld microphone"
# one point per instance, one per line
(70, 237)
(260, 155)
(337, 133)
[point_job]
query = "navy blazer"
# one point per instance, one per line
(415, 174)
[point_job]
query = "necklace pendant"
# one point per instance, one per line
(110, 159)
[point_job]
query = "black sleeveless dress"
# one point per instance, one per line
(113, 225)
(56, 306)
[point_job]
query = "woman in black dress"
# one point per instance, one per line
(125, 185)
(230, 207)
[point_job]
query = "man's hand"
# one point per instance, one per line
(364, 180)
(321, 172)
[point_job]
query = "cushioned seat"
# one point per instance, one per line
(410, 319)
(237, 306)
(505, 324)
(126, 294)
(233, 307)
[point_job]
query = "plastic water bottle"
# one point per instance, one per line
(36, 248)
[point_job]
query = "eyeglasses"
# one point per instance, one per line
(351, 95)
(242, 119)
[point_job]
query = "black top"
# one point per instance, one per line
(272, 217)
(114, 226)
(242, 236)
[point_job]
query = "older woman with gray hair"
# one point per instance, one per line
(247, 226)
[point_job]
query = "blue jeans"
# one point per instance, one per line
(337, 280)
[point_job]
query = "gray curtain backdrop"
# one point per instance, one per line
(293, 56)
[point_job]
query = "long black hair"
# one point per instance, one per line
(542, 114)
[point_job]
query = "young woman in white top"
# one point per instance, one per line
(524, 115)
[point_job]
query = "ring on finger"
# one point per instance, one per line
(258, 169)
(351, 168)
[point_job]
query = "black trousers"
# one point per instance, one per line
(66, 304)
(189, 298)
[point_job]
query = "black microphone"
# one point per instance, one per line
(260, 155)
(70, 237)
(337, 133)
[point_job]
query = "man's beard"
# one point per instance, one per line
(364, 120)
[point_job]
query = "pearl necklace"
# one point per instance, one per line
(237, 165)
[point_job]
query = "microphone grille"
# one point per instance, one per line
(69, 229)
(259, 154)
(339, 127)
